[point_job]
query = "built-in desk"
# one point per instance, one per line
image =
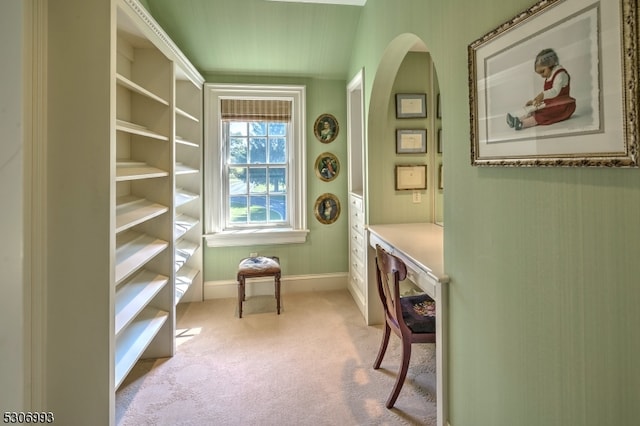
(419, 245)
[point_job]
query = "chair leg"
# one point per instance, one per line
(277, 280)
(402, 374)
(240, 295)
(383, 346)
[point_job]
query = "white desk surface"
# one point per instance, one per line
(420, 242)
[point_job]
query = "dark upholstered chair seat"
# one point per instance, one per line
(419, 313)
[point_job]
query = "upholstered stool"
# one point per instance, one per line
(255, 267)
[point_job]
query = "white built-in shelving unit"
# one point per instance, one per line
(157, 186)
(188, 186)
(144, 313)
(124, 141)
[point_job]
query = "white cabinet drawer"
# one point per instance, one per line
(357, 239)
(357, 251)
(355, 202)
(357, 224)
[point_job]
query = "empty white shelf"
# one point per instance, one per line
(184, 278)
(184, 250)
(136, 129)
(134, 339)
(132, 170)
(181, 169)
(134, 295)
(185, 114)
(185, 142)
(125, 82)
(131, 211)
(133, 250)
(183, 197)
(183, 224)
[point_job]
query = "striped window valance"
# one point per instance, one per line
(255, 110)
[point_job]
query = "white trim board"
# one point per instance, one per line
(224, 289)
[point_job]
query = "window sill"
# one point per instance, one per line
(253, 237)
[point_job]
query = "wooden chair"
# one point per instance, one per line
(411, 318)
(255, 267)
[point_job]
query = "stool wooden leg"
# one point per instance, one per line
(240, 295)
(277, 279)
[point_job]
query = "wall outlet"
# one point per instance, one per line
(253, 254)
(417, 197)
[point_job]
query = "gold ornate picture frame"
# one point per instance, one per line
(327, 208)
(326, 128)
(327, 166)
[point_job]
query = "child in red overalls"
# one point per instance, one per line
(551, 105)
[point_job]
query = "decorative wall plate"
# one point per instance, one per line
(327, 166)
(327, 208)
(326, 128)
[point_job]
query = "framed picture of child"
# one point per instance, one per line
(547, 88)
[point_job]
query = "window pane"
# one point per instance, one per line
(278, 208)
(277, 179)
(257, 128)
(258, 208)
(238, 128)
(257, 150)
(238, 209)
(237, 180)
(258, 180)
(277, 150)
(238, 151)
(278, 129)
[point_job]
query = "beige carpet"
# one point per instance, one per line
(311, 365)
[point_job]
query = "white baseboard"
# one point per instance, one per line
(224, 289)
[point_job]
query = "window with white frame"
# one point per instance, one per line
(255, 178)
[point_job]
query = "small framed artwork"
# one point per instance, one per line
(440, 178)
(411, 177)
(411, 105)
(591, 122)
(327, 166)
(327, 208)
(411, 141)
(439, 142)
(326, 128)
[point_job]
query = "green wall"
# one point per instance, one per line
(326, 248)
(413, 76)
(544, 292)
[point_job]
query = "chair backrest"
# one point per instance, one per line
(390, 270)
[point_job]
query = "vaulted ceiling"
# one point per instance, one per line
(261, 37)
